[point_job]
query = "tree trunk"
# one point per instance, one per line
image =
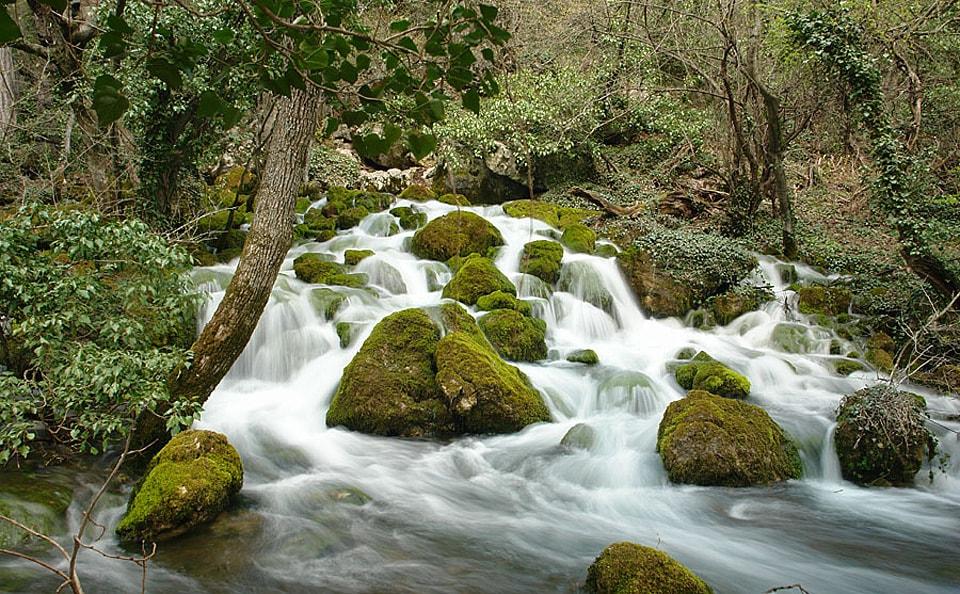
(8, 92)
(773, 155)
(266, 246)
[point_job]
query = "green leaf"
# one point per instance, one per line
(9, 30)
(488, 12)
(421, 145)
(223, 36)
(166, 72)
(331, 126)
(118, 24)
(471, 101)
(108, 100)
(401, 25)
(112, 44)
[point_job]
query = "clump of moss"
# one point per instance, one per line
(703, 372)
(585, 356)
(456, 234)
(351, 217)
(326, 302)
(475, 278)
(354, 257)
(454, 199)
(847, 366)
(551, 214)
(389, 387)
(314, 268)
(542, 259)
(579, 238)
(705, 439)
(409, 217)
(738, 301)
(315, 220)
(302, 205)
(881, 436)
(418, 193)
(189, 482)
(628, 568)
(345, 331)
(819, 299)
(486, 394)
(515, 336)
(503, 300)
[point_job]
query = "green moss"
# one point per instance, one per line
(189, 482)
(551, 214)
(475, 278)
(341, 194)
(418, 193)
(303, 204)
(818, 299)
(881, 437)
(456, 234)
(326, 302)
(515, 336)
(315, 268)
(542, 259)
(238, 179)
(738, 301)
(606, 250)
(454, 199)
(487, 394)
(453, 318)
(703, 372)
(351, 217)
(354, 281)
(585, 356)
(345, 331)
(503, 300)
(628, 568)
(354, 257)
(705, 439)
(38, 500)
(409, 217)
(389, 387)
(847, 366)
(315, 220)
(579, 238)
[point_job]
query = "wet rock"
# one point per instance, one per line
(475, 278)
(188, 483)
(345, 332)
(629, 391)
(705, 439)
(409, 217)
(326, 302)
(354, 257)
(585, 356)
(628, 568)
(351, 217)
(703, 372)
(456, 234)
(847, 366)
(36, 499)
(820, 299)
(418, 193)
(454, 200)
(316, 269)
(542, 259)
(383, 274)
(738, 301)
(580, 437)
(881, 436)
(551, 214)
(503, 300)
(579, 238)
(514, 336)
(584, 282)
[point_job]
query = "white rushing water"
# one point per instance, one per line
(329, 510)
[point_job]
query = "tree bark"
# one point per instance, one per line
(266, 246)
(8, 92)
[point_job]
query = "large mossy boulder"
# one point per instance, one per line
(542, 259)
(503, 300)
(407, 381)
(551, 214)
(628, 568)
(703, 372)
(38, 500)
(475, 278)
(823, 300)
(486, 394)
(738, 301)
(515, 336)
(705, 439)
(188, 483)
(459, 233)
(579, 238)
(674, 271)
(881, 436)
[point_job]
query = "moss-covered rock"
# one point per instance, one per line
(454, 199)
(628, 568)
(881, 436)
(38, 500)
(880, 359)
(585, 356)
(188, 483)
(738, 301)
(409, 217)
(407, 381)
(705, 439)
(503, 300)
(345, 332)
(579, 238)
(475, 278)
(351, 217)
(389, 388)
(418, 193)
(354, 257)
(316, 269)
(674, 271)
(456, 234)
(703, 372)
(542, 259)
(847, 366)
(819, 299)
(551, 214)
(580, 437)
(302, 205)
(515, 336)
(583, 281)
(486, 394)
(326, 302)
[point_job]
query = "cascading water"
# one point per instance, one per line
(328, 510)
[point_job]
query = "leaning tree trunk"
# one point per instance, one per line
(271, 233)
(773, 155)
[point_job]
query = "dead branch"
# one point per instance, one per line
(610, 207)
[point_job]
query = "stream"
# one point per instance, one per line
(329, 510)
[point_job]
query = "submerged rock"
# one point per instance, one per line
(407, 381)
(881, 437)
(475, 278)
(188, 483)
(326, 302)
(456, 234)
(515, 336)
(585, 356)
(705, 439)
(38, 500)
(580, 437)
(703, 372)
(583, 281)
(628, 568)
(542, 259)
